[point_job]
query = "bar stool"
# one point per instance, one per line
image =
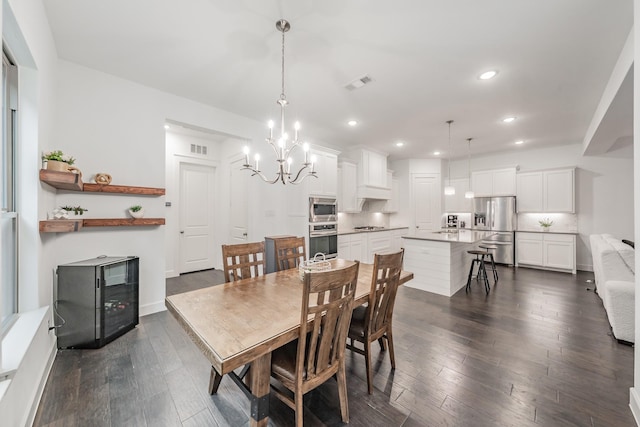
(490, 250)
(482, 272)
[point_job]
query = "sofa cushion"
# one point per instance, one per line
(625, 251)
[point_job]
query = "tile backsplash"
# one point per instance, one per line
(562, 222)
(347, 221)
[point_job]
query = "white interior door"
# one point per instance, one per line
(196, 217)
(238, 206)
(426, 199)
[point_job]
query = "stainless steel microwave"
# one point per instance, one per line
(322, 210)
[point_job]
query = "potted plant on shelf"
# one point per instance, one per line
(58, 161)
(136, 211)
(77, 210)
(545, 223)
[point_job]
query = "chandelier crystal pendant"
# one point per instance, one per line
(282, 145)
(449, 190)
(469, 194)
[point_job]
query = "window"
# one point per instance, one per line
(8, 214)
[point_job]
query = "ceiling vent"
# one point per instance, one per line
(359, 82)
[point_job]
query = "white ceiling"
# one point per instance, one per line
(554, 59)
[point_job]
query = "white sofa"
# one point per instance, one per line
(614, 270)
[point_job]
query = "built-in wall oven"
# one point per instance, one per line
(323, 238)
(322, 210)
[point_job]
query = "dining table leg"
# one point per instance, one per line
(260, 375)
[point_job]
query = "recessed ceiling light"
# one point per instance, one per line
(352, 123)
(519, 142)
(167, 126)
(399, 144)
(509, 119)
(436, 153)
(488, 75)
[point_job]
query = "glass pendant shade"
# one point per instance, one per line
(449, 190)
(469, 195)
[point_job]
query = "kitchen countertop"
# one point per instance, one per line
(352, 231)
(573, 233)
(459, 236)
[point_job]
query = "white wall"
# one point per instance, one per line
(634, 395)
(604, 186)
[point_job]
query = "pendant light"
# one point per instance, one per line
(449, 190)
(469, 193)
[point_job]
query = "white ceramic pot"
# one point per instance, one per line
(138, 214)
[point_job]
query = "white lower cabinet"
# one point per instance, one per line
(350, 246)
(379, 243)
(547, 250)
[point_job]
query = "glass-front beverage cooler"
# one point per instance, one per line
(96, 301)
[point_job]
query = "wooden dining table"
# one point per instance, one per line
(242, 322)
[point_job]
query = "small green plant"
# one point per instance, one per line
(545, 222)
(135, 208)
(58, 156)
(75, 209)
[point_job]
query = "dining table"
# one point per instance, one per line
(242, 322)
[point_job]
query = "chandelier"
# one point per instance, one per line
(283, 146)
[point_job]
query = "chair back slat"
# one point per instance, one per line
(243, 260)
(290, 252)
(327, 304)
(384, 287)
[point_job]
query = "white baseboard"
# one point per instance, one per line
(154, 307)
(43, 381)
(634, 404)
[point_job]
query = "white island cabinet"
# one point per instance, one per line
(439, 261)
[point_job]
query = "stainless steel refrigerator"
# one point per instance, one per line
(497, 214)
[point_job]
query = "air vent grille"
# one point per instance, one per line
(359, 82)
(199, 149)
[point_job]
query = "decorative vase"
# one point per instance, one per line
(55, 165)
(138, 214)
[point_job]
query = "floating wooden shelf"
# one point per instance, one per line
(69, 225)
(60, 225)
(119, 222)
(72, 181)
(61, 180)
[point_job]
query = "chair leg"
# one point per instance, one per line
(486, 279)
(468, 287)
(299, 398)
(342, 392)
(383, 344)
(495, 270)
(392, 355)
(214, 381)
(367, 361)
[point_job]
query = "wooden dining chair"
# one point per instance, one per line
(243, 260)
(240, 261)
(290, 252)
(373, 321)
(318, 353)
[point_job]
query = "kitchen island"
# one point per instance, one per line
(439, 260)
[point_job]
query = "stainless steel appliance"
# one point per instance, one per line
(322, 210)
(323, 238)
(497, 214)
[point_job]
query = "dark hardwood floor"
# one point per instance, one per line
(537, 351)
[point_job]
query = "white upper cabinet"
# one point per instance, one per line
(498, 182)
(326, 184)
(347, 187)
(372, 182)
(551, 191)
(373, 172)
(529, 196)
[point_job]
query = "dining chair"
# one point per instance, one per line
(240, 261)
(318, 353)
(243, 260)
(373, 321)
(290, 252)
